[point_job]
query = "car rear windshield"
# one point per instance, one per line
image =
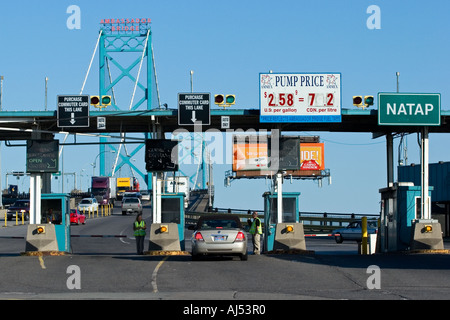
(21, 204)
(132, 200)
(86, 201)
(218, 224)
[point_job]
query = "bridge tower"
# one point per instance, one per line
(126, 66)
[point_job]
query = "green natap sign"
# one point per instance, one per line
(409, 109)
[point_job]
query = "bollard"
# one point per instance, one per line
(23, 218)
(17, 218)
(102, 210)
(364, 235)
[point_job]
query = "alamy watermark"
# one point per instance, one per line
(374, 280)
(74, 20)
(374, 20)
(74, 280)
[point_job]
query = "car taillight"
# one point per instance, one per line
(240, 236)
(199, 237)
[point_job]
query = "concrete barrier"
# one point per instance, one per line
(289, 236)
(426, 235)
(164, 237)
(41, 241)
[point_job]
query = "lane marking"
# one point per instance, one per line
(155, 273)
(41, 262)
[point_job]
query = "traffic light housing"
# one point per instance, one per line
(95, 101)
(230, 99)
(357, 101)
(106, 101)
(224, 100)
(368, 101)
(219, 99)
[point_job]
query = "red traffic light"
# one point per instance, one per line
(219, 98)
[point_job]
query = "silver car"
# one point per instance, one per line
(130, 205)
(219, 234)
(354, 231)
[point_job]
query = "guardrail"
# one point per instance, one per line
(313, 222)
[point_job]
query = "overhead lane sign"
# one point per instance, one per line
(194, 108)
(409, 109)
(300, 97)
(73, 111)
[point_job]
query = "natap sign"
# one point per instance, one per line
(409, 109)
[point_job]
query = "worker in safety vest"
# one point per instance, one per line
(139, 233)
(255, 231)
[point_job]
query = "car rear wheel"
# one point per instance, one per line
(244, 257)
(338, 238)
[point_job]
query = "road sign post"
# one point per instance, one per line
(413, 109)
(194, 108)
(73, 111)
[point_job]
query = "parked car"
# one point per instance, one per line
(354, 231)
(219, 235)
(130, 205)
(20, 206)
(145, 195)
(76, 216)
(87, 204)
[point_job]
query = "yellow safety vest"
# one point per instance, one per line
(139, 232)
(254, 229)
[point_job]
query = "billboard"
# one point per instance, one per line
(300, 97)
(251, 157)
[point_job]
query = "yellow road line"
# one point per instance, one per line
(155, 273)
(41, 261)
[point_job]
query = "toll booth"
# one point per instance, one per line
(285, 234)
(169, 233)
(401, 215)
(53, 231)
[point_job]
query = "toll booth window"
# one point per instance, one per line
(170, 210)
(51, 211)
(289, 208)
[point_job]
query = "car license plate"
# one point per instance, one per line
(219, 238)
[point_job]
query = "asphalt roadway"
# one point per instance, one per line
(108, 268)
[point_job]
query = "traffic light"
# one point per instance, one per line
(224, 100)
(368, 101)
(357, 101)
(219, 98)
(230, 99)
(95, 101)
(106, 101)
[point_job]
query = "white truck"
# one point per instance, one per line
(179, 185)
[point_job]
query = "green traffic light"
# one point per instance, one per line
(368, 100)
(230, 99)
(106, 100)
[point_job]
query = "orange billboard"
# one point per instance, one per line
(248, 156)
(312, 156)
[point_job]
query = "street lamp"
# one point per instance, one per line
(95, 160)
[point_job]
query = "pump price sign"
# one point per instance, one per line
(300, 97)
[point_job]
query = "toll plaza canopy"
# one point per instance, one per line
(19, 125)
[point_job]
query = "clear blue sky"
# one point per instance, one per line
(227, 44)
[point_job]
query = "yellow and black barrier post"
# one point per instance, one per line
(364, 235)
